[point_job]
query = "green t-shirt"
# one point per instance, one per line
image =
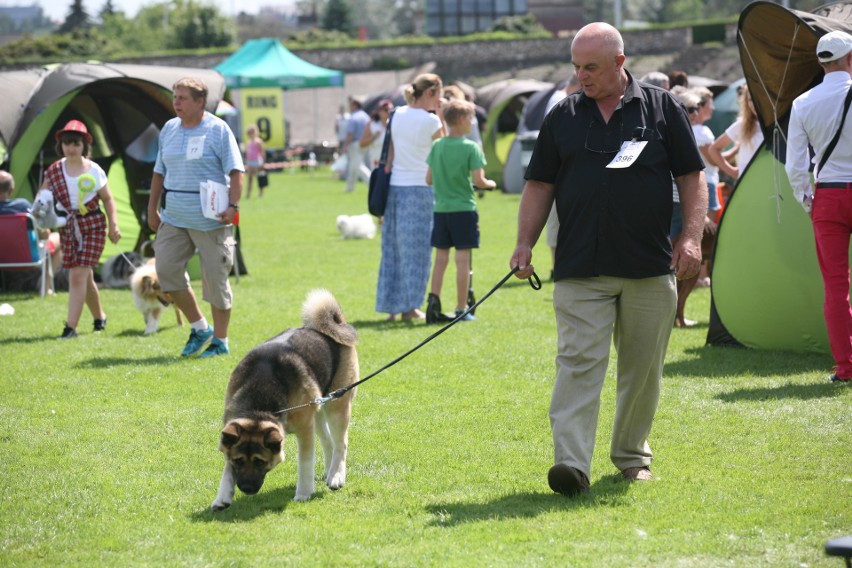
(452, 159)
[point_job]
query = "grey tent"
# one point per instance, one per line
(123, 105)
(504, 101)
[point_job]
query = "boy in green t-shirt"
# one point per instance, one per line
(453, 162)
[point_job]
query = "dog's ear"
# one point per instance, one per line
(147, 285)
(273, 439)
(230, 435)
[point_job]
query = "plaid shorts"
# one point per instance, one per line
(88, 249)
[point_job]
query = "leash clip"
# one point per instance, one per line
(320, 400)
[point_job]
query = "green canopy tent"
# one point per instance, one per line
(123, 105)
(265, 62)
(767, 289)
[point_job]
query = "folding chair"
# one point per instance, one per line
(23, 249)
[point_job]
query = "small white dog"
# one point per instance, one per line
(149, 297)
(356, 226)
(47, 213)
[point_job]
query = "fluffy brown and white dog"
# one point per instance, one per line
(294, 368)
(149, 297)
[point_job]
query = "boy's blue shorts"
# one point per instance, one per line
(458, 230)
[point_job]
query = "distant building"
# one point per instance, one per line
(558, 15)
(22, 15)
(287, 17)
(462, 17)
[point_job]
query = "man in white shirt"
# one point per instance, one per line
(815, 119)
(358, 121)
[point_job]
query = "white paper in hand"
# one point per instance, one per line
(214, 198)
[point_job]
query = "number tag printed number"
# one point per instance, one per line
(195, 148)
(630, 150)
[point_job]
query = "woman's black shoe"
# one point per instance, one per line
(68, 333)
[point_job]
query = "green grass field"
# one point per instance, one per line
(108, 450)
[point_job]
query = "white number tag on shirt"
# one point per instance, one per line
(195, 148)
(630, 150)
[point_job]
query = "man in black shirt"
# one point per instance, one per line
(607, 155)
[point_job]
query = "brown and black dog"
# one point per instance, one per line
(685, 287)
(291, 369)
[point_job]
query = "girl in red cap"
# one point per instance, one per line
(80, 185)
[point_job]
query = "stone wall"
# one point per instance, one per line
(458, 59)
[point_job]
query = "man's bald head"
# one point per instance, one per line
(7, 183)
(603, 35)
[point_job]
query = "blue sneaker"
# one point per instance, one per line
(467, 317)
(197, 341)
(216, 347)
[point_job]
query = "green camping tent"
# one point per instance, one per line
(504, 101)
(266, 62)
(767, 289)
(123, 105)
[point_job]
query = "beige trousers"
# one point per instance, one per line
(591, 313)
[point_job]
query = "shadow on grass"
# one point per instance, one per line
(21, 339)
(790, 390)
(605, 492)
(246, 508)
(106, 362)
(384, 324)
(716, 361)
(140, 332)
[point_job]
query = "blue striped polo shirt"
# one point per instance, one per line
(188, 156)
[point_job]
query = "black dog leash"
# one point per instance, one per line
(535, 284)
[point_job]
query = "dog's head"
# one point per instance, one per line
(149, 287)
(252, 448)
(343, 224)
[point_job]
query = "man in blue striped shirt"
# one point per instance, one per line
(196, 147)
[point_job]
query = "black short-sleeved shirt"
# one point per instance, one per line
(614, 222)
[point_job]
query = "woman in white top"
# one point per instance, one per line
(373, 136)
(699, 104)
(407, 223)
(745, 132)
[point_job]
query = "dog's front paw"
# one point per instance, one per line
(219, 505)
(337, 481)
(150, 331)
(302, 497)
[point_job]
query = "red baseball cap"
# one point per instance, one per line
(75, 126)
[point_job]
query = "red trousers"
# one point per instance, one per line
(832, 220)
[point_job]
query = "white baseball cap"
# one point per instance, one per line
(833, 46)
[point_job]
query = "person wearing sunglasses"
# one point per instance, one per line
(606, 155)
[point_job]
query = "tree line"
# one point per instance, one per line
(193, 25)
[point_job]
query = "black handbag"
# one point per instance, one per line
(262, 179)
(377, 197)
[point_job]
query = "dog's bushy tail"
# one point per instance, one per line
(322, 313)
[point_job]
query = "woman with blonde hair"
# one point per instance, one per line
(407, 223)
(745, 132)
